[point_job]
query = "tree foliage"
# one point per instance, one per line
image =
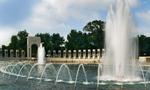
(46, 39)
(18, 41)
(77, 40)
(14, 42)
(57, 41)
(22, 39)
(144, 45)
(91, 37)
(53, 42)
(95, 30)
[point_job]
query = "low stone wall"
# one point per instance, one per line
(13, 53)
(89, 56)
(144, 59)
(74, 60)
(14, 58)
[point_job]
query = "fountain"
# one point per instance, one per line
(41, 54)
(120, 58)
(119, 68)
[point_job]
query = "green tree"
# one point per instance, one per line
(57, 41)
(95, 30)
(46, 39)
(144, 45)
(3, 49)
(18, 41)
(14, 42)
(77, 40)
(22, 39)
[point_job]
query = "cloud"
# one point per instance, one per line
(5, 35)
(144, 15)
(49, 15)
(59, 16)
(144, 30)
(55, 16)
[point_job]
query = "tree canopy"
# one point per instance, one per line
(57, 41)
(18, 41)
(90, 37)
(46, 39)
(95, 31)
(144, 45)
(77, 40)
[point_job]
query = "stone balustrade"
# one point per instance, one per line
(6, 54)
(90, 53)
(23, 54)
(93, 55)
(13, 53)
(75, 56)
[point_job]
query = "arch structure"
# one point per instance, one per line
(32, 41)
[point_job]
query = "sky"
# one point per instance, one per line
(60, 16)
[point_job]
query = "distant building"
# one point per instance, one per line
(32, 41)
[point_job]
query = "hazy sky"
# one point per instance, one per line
(60, 16)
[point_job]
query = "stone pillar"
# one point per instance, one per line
(29, 52)
(59, 53)
(11, 53)
(79, 54)
(84, 54)
(64, 54)
(49, 53)
(23, 53)
(69, 53)
(17, 53)
(103, 52)
(74, 54)
(5, 53)
(98, 55)
(89, 53)
(54, 53)
(93, 53)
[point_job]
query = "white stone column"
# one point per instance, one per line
(74, 54)
(11, 53)
(69, 53)
(89, 53)
(64, 54)
(103, 52)
(59, 53)
(49, 53)
(79, 54)
(6, 53)
(98, 53)
(17, 53)
(23, 53)
(54, 53)
(93, 53)
(84, 54)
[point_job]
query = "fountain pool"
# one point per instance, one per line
(119, 69)
(75, 76)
